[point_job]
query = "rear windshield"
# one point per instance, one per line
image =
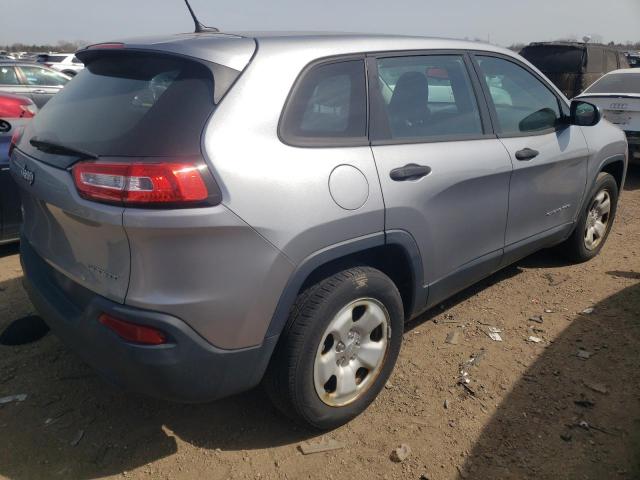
(555, 58)
(617, 83)
(132, 105)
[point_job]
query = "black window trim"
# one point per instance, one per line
(377, 107)
(324, 142)
(563, 106)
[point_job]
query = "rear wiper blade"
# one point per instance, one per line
(48, 146)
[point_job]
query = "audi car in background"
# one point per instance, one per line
(617, 94)
(32, 80)
(15, 113)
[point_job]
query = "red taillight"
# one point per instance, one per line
(139, 184)
(132, 332)
(107, 46)
(13, 106)
(15, 138)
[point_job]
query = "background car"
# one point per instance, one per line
(15, 113)
(634, 59)
(32, 80)
(573, 66)
(66, 63)
(617, 94)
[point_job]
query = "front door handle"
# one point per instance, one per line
(409, 172)
(39, 90)
(527, 154)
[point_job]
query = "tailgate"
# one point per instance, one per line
(84, 241)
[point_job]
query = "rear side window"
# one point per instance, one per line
(328, 106)
(8, 76)
(426, 97)
(43, 77)
(131, 105)
(523, 104)
(56, 58)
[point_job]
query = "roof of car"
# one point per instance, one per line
(234, 49)
(19, 63)
(394, 42)
(625, 71)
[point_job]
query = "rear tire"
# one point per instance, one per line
(338, 348)
(595, 221)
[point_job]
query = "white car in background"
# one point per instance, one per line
(617, 95)
(66, 63)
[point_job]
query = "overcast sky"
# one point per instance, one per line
(501, 21)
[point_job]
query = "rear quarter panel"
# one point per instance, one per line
(280, 190)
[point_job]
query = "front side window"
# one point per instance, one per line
(43, 77)
(329, 105)
(523, 104)
(426, 97)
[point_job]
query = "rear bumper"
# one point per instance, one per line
(188, 369)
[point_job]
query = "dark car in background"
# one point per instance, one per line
(633, 58)
(32, 80)
(574, 66)
(15, 113)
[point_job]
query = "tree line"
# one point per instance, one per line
(61, 46)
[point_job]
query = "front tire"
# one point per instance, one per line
(595, 221)
(338, 348)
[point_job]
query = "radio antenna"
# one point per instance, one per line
(199, 26)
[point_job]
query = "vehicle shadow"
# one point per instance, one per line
(632, 181)
(75, 425)
(538, 430)
(9, 249)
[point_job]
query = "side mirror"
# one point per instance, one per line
(584, 114)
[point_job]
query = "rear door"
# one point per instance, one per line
(549, 157)
(10, 82)
(444, 175)
(43, 83)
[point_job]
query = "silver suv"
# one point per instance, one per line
(208, 211)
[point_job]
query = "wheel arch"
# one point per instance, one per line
(614, 165)
(395, 253)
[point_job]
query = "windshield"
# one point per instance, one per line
(131, 105)
(617, 83)
(555, 58)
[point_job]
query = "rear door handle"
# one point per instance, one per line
(39, 90)
(409, 172)
(527, 154)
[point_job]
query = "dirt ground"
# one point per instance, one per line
(531, 410)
